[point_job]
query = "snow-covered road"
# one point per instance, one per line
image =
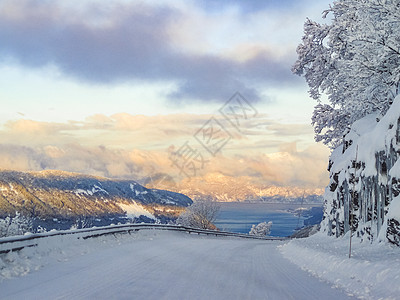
(162, 265)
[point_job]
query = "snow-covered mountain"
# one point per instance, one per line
(364, 190)
(223, 188)
(58, 194)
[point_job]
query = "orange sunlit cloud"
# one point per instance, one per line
(127, 146)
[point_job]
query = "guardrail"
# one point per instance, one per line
(16, 243)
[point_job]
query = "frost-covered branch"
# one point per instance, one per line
(15, 225)
(201, 214)
(354, 60)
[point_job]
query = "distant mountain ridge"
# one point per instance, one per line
(224, 188)
(59, 194)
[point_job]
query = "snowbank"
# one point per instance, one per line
(372, 272)
(58, 248)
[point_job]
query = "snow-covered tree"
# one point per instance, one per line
(201, 214)
(354, 60)
(261, 229)
(82, 222)
(16, 225)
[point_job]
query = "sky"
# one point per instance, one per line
(118, 88)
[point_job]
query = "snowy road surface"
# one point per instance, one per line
(161, 265)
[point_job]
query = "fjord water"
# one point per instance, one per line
(240, 216)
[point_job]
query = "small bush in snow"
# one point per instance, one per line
(201, 214)
(262, 229)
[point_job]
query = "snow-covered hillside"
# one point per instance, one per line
(364, 190)
(59, 195)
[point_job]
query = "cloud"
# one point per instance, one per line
(120, 130)
(134, 147)
(201, 50)
(248, 5)
(129, 132)
(286, 168)
(16, 157)
(131, 42)
(290, 129)
(30, 127)
(73, 157)
(123, 130)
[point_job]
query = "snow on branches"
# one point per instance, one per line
(354, 60)
(201, 214)
(262, 229)
(16, 225)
